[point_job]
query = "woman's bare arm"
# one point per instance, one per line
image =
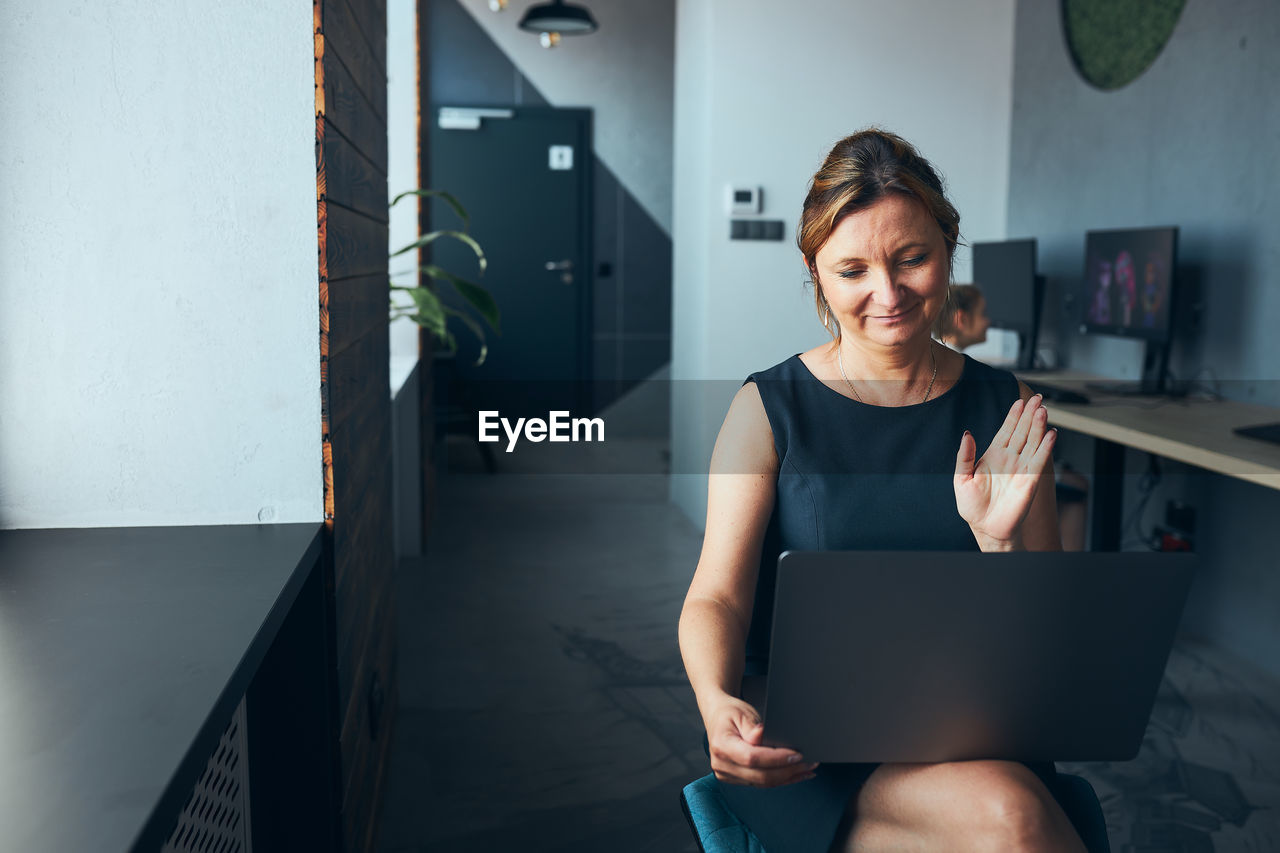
(717, 609)
(1040, 530)
(740, 493)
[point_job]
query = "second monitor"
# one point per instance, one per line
(1128, 291)
(1006, 273)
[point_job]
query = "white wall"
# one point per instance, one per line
(623, 72)
(402, 167)
(159, 355)
(762, 92)
(1191, 142)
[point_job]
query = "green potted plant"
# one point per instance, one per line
(426, 307)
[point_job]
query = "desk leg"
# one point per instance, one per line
(1107, 498)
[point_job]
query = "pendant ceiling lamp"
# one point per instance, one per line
(557, 18)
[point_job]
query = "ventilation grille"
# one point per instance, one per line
(216, 816)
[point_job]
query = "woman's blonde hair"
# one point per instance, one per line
(860, 170)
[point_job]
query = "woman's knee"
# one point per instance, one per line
(970, 805)
(1008, 808)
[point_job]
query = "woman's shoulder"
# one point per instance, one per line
(996, 381)
(783, 370)
(982, 370)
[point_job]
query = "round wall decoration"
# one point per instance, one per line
(1113, 41)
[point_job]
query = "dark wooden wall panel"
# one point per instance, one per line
(355, 380)
(357, 495)
(348, 40)
(359, 564)
(367, 777)
(373, 19)
(351, 140)
(355, 182)
(357, 245)
(350, 113)
(357, 306)
(356, 667)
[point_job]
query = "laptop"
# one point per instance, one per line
(931, 656)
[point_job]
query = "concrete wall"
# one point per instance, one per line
(159, 355)
(623, 72)
(1192, 143)
(631, 281)
(760, 98)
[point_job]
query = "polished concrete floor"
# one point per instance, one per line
(543, 705)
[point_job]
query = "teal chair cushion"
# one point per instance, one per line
(717, 829)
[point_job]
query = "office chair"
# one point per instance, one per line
(718, 830)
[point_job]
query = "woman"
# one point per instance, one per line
(827, 451)
(965, 322)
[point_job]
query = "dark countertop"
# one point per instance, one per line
(123, 653)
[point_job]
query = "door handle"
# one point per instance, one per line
(565, 267)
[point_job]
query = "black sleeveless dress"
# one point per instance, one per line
(855, 477)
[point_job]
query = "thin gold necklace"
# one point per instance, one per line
(840, 361)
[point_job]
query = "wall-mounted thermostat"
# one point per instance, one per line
(743, 201)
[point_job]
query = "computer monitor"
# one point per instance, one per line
(1128, 291)
(1005, 271)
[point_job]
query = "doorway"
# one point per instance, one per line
(523, 176)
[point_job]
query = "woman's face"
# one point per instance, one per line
(884, 271)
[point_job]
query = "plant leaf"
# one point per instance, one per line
(476, 328)
(430, 313)
(428, 239)
(476, 296)
(481, 300)
(447, 198)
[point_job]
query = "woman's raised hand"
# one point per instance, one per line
(994, 494)
(738, 754)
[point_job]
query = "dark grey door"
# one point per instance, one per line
(524, 179)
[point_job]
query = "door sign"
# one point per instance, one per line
(560, 157)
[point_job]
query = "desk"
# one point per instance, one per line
(1193, 431)
(124, 652)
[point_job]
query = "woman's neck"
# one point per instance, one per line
(887, 376)
(889, 364)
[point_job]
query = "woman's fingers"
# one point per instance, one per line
(1031, 413)
(738, 755)
(736, 760)
(1010, 423)
(966, 457)
(1035, 436)
(744, 754)
(765, 778)
(1042, 459)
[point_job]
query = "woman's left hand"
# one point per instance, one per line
(994, 494)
